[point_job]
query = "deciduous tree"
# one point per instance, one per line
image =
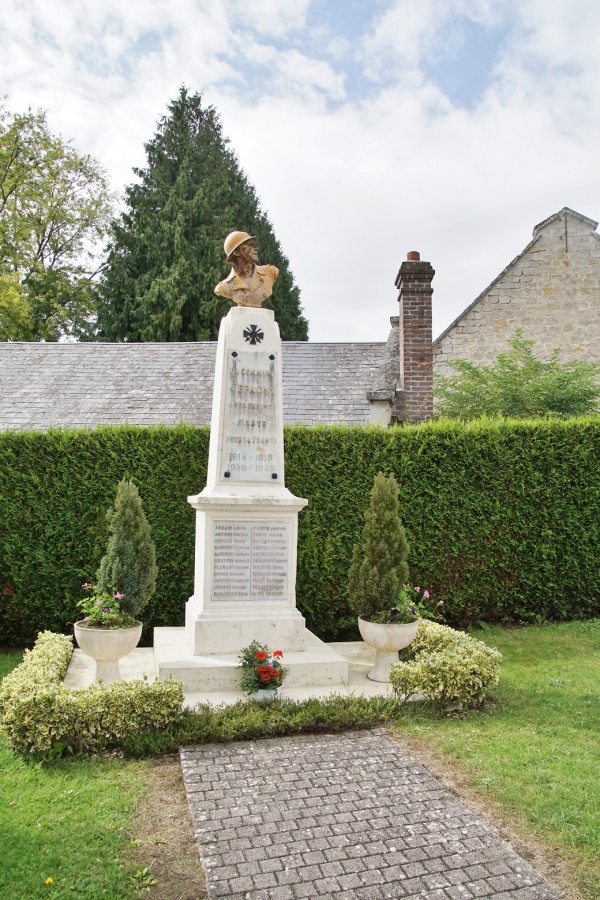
(55, 207)
(519, 385)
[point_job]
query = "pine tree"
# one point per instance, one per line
(379, 566)
(166, 253)
(129, 565)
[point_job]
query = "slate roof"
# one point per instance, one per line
(86, 385)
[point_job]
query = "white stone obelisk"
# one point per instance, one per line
(246, 519)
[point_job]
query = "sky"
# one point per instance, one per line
(369, 128)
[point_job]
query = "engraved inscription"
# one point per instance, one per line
(250, 560)
(252, 439)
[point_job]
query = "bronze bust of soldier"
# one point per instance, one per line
(248, 284)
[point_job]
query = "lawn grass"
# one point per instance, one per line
(66, 821)
(537, 750)
(8, 661)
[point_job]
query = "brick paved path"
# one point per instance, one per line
(344, 816)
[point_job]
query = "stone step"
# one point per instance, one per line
(318, 665)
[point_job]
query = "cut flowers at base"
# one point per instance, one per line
(101, 610)
(413, 603)
(261, 669)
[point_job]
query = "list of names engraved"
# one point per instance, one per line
(250, 560)
(252, 433)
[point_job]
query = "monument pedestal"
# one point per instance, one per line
(245, 571)
(246, 528)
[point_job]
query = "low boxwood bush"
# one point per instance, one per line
(447, 667)
(249, 720)
(44, 718)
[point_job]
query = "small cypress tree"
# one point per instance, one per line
(129, 565)
(379, 567)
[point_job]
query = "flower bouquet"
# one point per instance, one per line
(261, 669)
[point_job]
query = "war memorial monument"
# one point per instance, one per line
(246, 518)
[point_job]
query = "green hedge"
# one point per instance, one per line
(503, 518)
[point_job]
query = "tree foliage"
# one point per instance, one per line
(519, 386)
(54, 207)
(379, 567)
(166, 252)
(129, 565)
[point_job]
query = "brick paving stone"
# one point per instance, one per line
(371, 877)
(281, 892)
(321, 815)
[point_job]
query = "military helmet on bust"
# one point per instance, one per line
(234, 240)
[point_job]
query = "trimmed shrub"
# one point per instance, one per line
(448, 667)
(44, 718)
(55, 488)
(248, 720)
(46, 664)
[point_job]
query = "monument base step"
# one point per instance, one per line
(318, 665)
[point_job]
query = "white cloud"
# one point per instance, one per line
(272, 18)
(350, 186)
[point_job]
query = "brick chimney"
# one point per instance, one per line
(414, 399)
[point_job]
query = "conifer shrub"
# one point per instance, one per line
(129, 566)
(379, 565)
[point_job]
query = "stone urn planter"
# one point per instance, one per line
(387, 640)
(107, 646)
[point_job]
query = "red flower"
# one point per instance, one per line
(261, 655)
(277, 653)
(265, 677)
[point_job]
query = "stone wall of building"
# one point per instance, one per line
(551, 291)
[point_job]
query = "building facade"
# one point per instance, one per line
(551, 291)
